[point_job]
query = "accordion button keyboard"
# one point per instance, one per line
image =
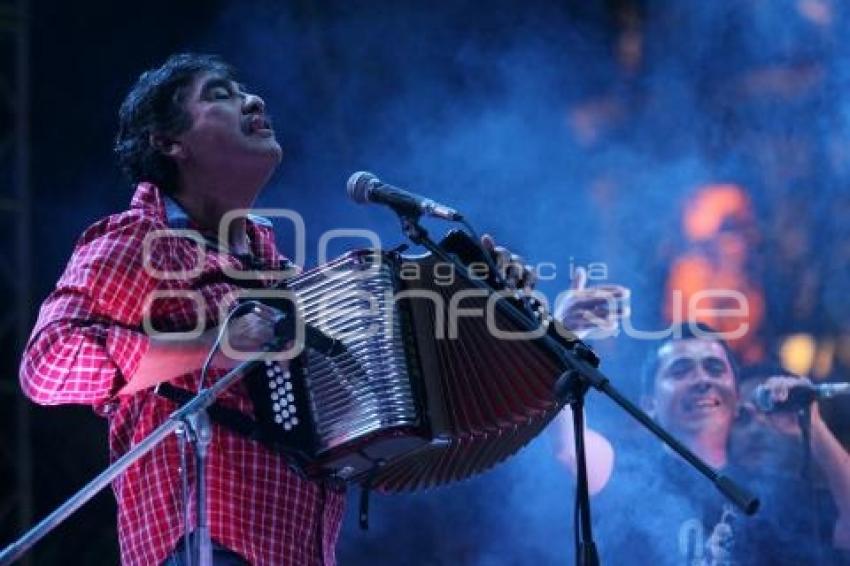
(282, 395)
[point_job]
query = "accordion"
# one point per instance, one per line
(432, 386)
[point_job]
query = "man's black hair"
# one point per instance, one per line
(682, 331)
(156, 105)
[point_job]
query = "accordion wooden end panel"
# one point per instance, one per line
(426, 392)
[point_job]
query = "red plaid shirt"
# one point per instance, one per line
(89, 339)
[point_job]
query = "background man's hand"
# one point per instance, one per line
(592, 312)
(779, 388)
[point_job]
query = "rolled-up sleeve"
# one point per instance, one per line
(87, 341)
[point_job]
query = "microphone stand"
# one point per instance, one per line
(572, 389)
(200, 435)
(804, 420)
(581, 374)
(192, 415)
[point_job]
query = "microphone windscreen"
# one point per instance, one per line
(762, 398)
(358, 186)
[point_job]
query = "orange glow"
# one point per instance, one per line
(711, 206)
(798, 353)
(718, 223)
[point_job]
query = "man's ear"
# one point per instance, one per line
(167, 146)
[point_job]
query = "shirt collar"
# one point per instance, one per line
(175, 215)
(177, 218)
(149, 196)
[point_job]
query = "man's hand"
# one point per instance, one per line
(167, 359)
(517, 274)
(779, 388)
(246, 335)
(592, 312)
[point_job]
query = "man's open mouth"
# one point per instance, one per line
(702, 404)
(258, 124)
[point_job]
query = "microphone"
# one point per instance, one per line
(365, 187)
(799, 396)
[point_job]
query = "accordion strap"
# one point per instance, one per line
(231, 419)
(365, 492)
(243, 425)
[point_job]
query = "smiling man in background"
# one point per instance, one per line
(651, 508)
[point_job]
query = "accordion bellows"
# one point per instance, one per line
(432, 388)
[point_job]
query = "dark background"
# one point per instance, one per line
(573, 131)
